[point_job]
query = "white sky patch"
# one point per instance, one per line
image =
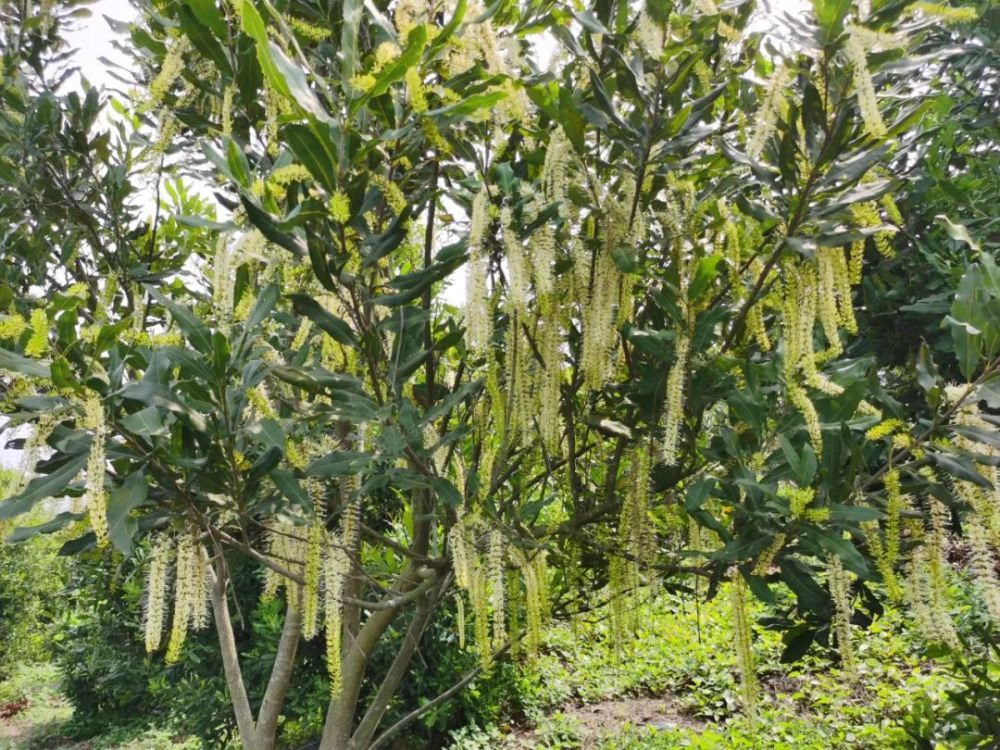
(93, 39)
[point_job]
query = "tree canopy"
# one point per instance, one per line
(713, 326)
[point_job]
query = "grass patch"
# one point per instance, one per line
(674, 685)
(45, 723)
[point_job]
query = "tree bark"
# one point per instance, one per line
(259, 734)
(281, 677)
(230, 656)
(362, 736)
(357, 652)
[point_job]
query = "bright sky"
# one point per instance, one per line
(93, 37)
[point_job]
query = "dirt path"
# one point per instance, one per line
(592, 722)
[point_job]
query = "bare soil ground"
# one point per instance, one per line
(595, 721)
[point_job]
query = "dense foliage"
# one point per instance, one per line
(680, 355)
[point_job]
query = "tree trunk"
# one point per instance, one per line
(259, 734)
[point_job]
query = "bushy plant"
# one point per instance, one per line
(31, 575)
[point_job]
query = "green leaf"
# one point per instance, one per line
(262, 307)
(313, 146)
(854, 513)
(147, 422)
(351, 12)
(324, 320)
(23, 365)
(339, 463)
(804, 466)
(61, 521)
(43, 487)
(704, 275)
(207, 12)
(238, 165)
(589, 22)
(297, 86)
(960, 467)
(830, 14)
(927, 372)
(122, 500)
(264, 465)
(415, 43)
(968, 343)
(958, 232)
(447, 491)
(287, 78)
(195, 331)
(797, 642)
(289, 486)
(810, 595)
(202, 39)
(979, 435)
(835, 544)
(151, 393)
(468, 106)
(989, 391)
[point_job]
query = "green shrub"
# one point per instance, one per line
(31, 578)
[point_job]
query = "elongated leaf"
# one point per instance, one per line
(809, 593)
(854, 513)
(349, 31)
(289, 486)
(312, 146)
(23, 365)
(415, 43)
(121, 501)
(147, 422)
(151, 393)
(263, 306)
(339, 463)
(43, 487)
(324, 320)
(207, 13)
(960, 468)
(61, 521)
(195, 331)
(469, 105)
(296, 84)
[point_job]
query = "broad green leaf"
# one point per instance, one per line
(207, 12)
(830, 14)
(313, 146)
(296, 84)
(151, 393)
(351, 12)
(262, 307)
(468, 106)
(17, 363)
(927, 372)
(121, 501)
(339, 463)
(147, 422)
(447, 491)
(957, 232)
(61, 521)
(835, 544)
(287, 78)
(289, 486)
(961, 468)
(324, 320)
(43, 487)
(415, 43)
(854, 513)
(810, 594)
(195, 331)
